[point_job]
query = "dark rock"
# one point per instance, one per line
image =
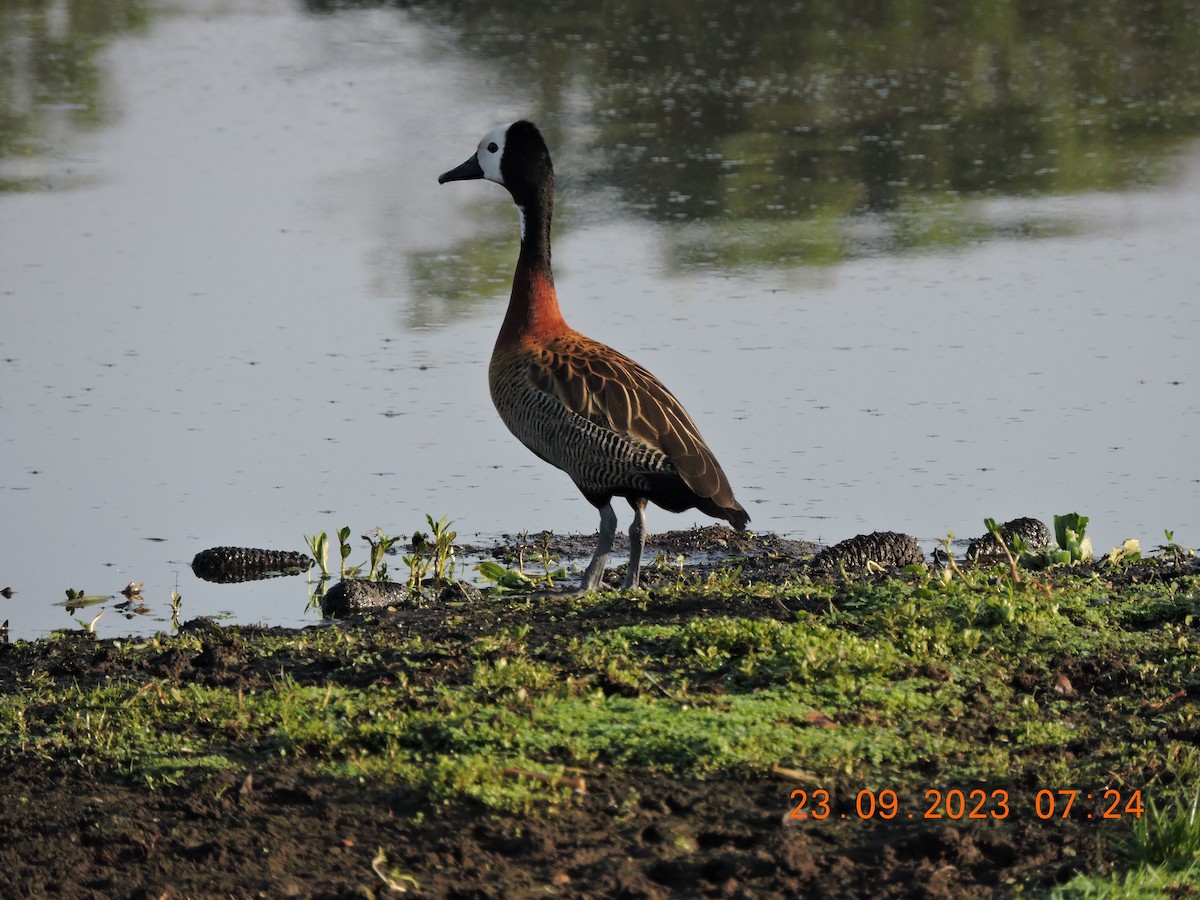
(226, 565)
(888, 549)
(356, 595)
(1034, 533)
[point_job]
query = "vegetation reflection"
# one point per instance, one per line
(763, 133)
(806, 133)
(50, 77)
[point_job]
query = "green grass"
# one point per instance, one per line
(1162, 857)
(905, 683)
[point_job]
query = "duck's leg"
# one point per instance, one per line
(594, 573)
(637, 542)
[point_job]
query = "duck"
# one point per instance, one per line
(577, 403)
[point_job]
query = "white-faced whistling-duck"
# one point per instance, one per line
(576, 403)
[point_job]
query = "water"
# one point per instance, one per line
(905, 273)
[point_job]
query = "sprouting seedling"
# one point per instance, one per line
(1177, 551)
(549, 559)
(418, 561)
(318, 545)
(176, 600)
(344, 548)
(442, 547)
(380, 544)
(950, 569)
(90, 627)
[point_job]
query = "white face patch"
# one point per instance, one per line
(491, 150)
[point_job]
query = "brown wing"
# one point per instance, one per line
(614, 392)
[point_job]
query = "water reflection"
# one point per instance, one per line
(50, 75)
(793, 134)
(807, 133)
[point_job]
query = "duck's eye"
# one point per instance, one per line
(493, 147)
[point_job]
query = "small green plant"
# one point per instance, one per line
(1069, 533)
(344, 549)
(994, 531)
(89, 628)
(674, 567)
(1129, 552)
(1074, 546)
(176, 602)
(1179, 552)
(949, 568)
(548, 559)
(381, 545)
(442, 548)
(436, 553)
(318, 545)
(418, 561)
(503, 578)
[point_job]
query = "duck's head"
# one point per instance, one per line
(514, 156)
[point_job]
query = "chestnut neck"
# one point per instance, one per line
(533, 305)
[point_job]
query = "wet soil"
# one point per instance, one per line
(279, 829)
(285, 833)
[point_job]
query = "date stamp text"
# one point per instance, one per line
(956, 804)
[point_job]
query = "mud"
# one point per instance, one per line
(286, 833)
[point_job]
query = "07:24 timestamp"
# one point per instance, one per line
(973, 804)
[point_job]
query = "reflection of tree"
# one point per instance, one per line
(451, 283)
(982, 98)
(744, 113)
(48, 69)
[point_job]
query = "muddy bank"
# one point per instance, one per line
(518, 745)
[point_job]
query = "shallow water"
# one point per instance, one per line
(904, 273)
